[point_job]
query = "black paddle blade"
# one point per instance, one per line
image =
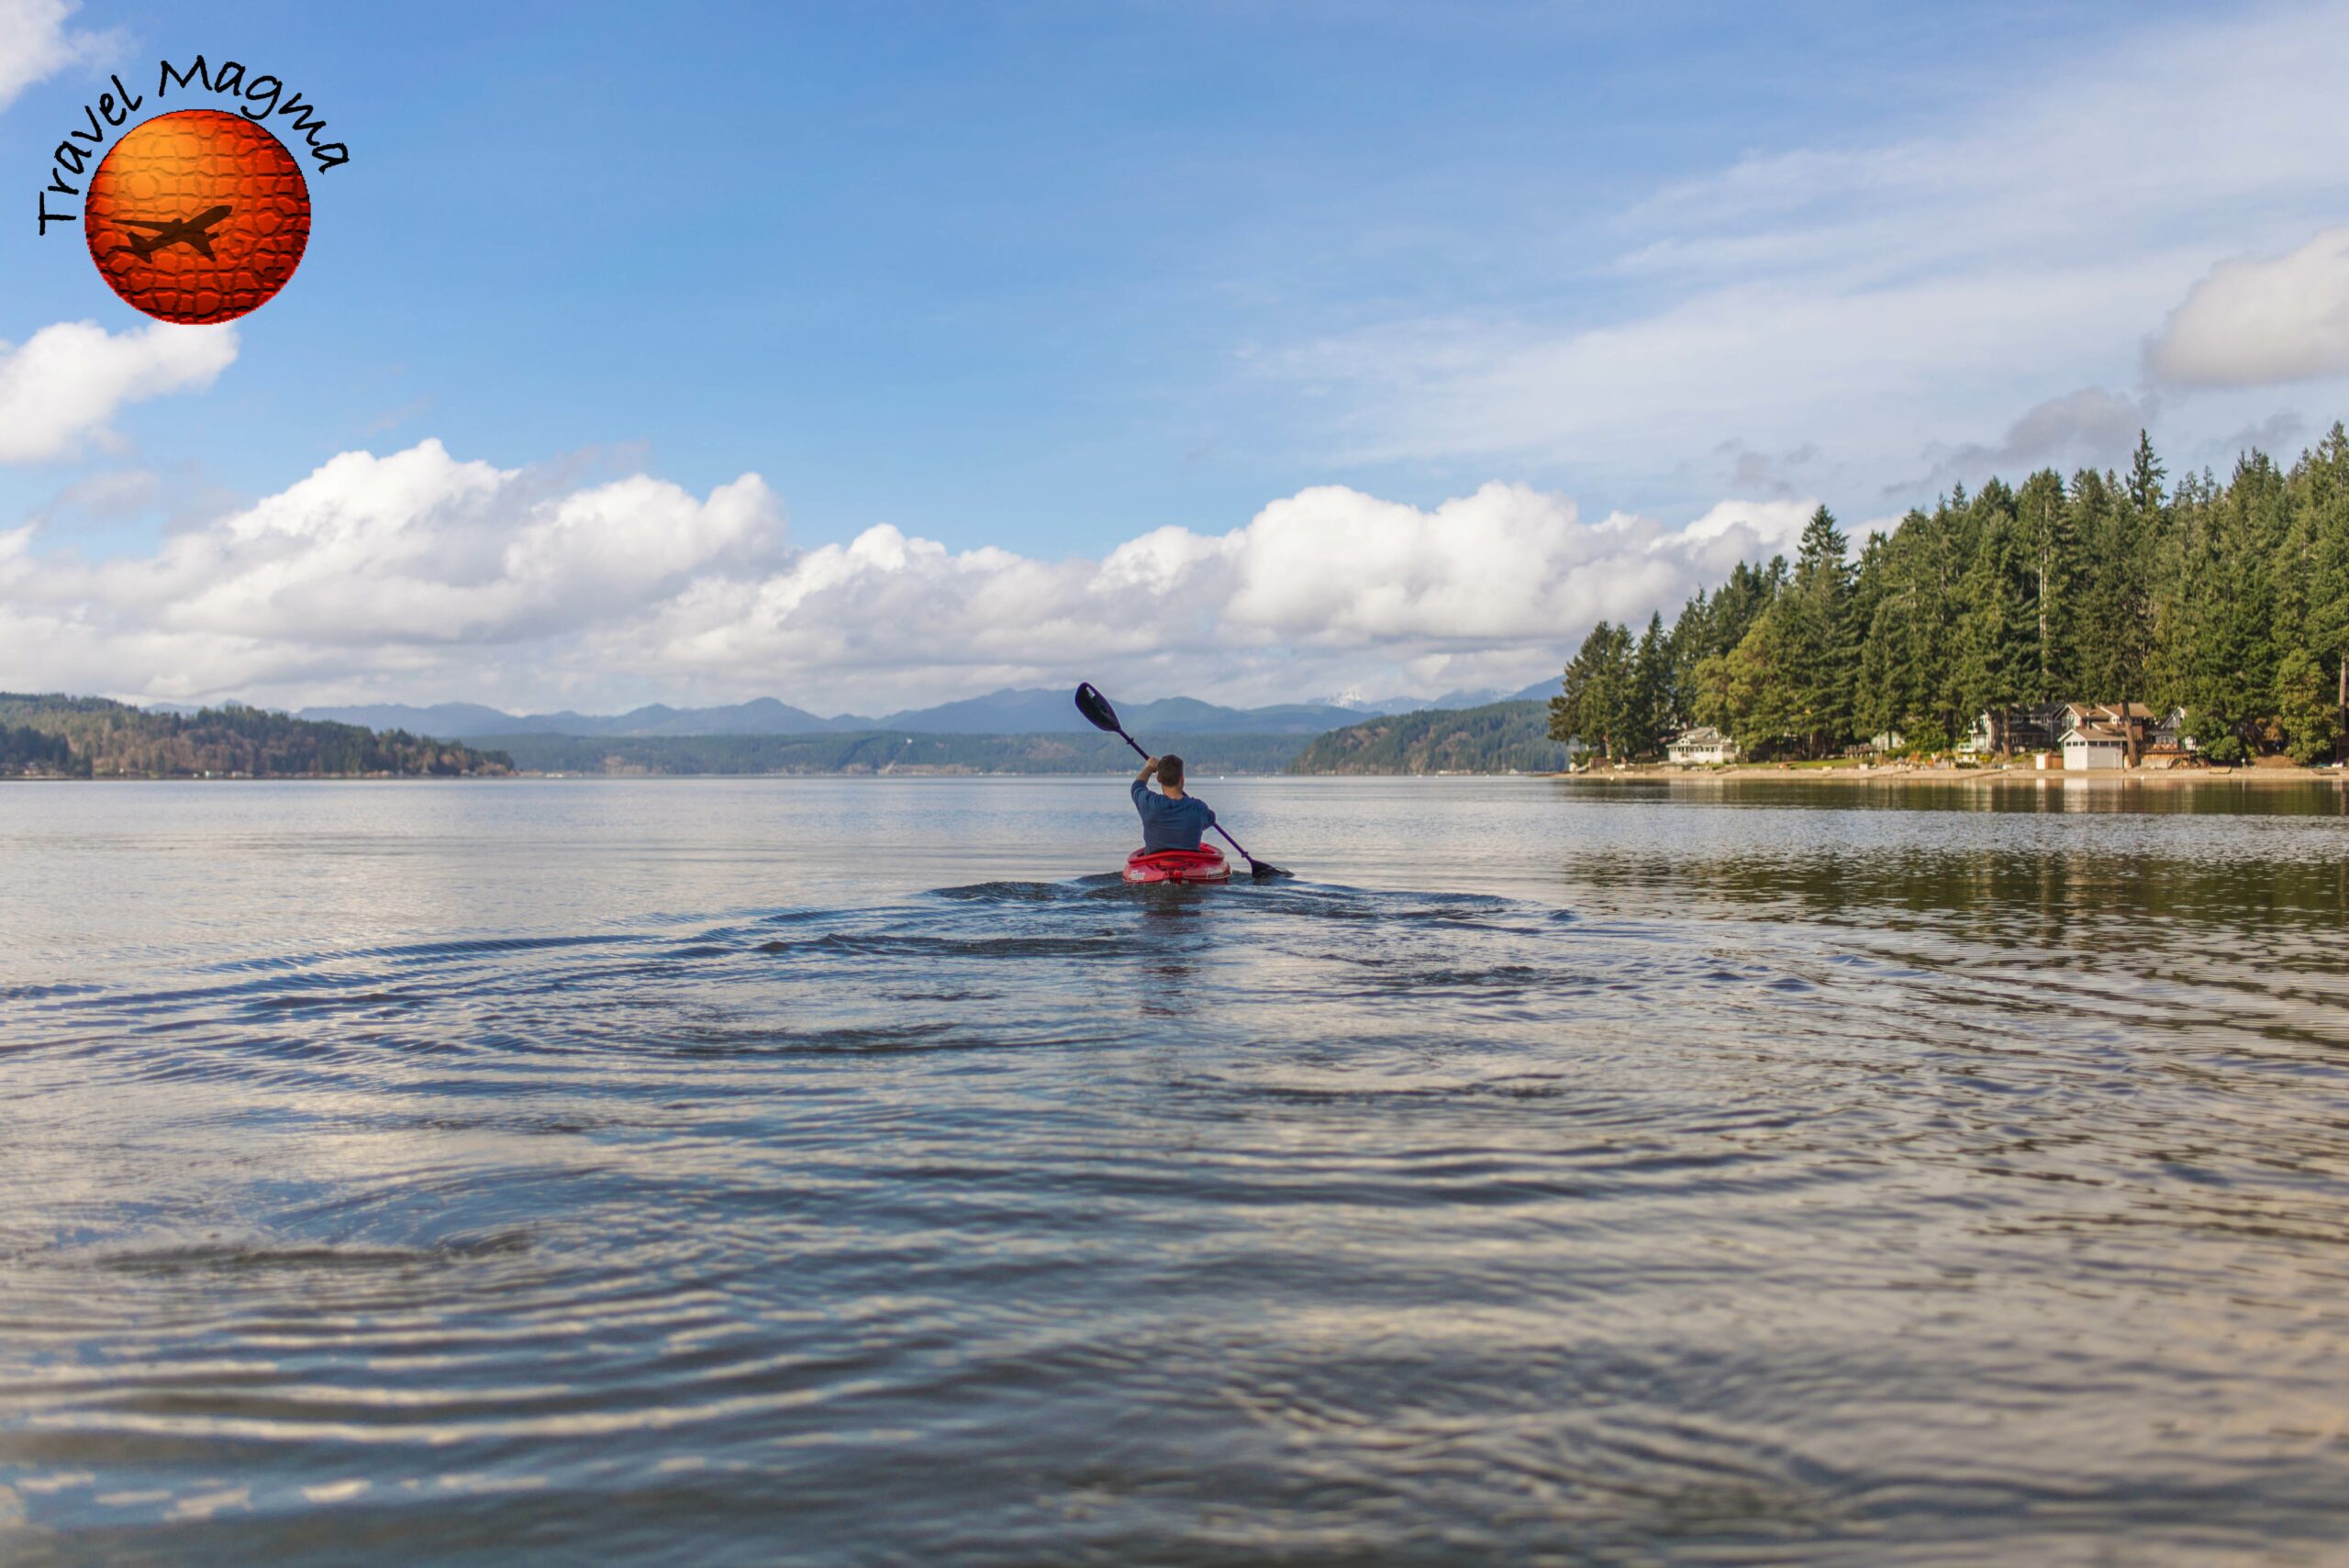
(1263, 871)
(1097, 709)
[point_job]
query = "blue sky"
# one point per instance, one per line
(1044, 281)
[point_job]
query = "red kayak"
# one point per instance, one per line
(1205, 864)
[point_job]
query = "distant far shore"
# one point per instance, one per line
(10, 780)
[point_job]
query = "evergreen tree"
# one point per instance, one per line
(2225, 645)
(2121, 538)
(1760, 697)
(2321, 532)
(1595, 704)
(1690, 645)
(2054, 566)
(1817, 640)
(1654, 713)
(1872, 686)
(2145, 476)
(2230, 598)
(1998, 659)
(1925, 654)
(2308, 709)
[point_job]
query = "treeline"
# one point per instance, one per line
(92, 737)
(24, 750)
(1490, 739)
(2230, 601)
(884, 751)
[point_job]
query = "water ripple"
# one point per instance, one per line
(1806, 1216)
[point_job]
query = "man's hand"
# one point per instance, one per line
(1148, 769)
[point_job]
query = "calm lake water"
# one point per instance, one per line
(845, 1173)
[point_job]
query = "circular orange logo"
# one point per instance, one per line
(198, 215)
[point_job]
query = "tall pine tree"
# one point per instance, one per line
(2230, 598)
(1595, 706)
(1818, 639)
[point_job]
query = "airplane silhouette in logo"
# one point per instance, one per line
(194, 231)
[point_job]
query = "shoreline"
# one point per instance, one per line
(2097, 778)
(1642, 773)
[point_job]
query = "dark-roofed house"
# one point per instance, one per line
(2100, 735)
(2032, 726)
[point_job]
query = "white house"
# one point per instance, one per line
(2088, 747)
(1702, 744)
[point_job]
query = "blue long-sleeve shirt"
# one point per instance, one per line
(1171, 824)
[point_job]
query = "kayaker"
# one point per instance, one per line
(1172, 820)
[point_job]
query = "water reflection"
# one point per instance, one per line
(1625, 1175)
(2007, 791)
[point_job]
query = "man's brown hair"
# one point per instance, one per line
(1170, 771)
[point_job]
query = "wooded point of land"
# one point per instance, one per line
(93, 737)
(2229, 600)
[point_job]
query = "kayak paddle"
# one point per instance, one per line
(1101, 715)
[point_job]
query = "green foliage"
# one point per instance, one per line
(2217, 737)
(1816, 640)
(2051, 564)
(1707, 631)
(2307, 707)
(1651, 725)
(1998, 659)
(1620, 699)
(24, 750)
(110, 739)
(1763, 694)
(2229, 600)
(1599, 694)
(1493, 738)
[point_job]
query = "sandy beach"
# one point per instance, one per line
(2153, 778)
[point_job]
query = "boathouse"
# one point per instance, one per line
(2088, 747)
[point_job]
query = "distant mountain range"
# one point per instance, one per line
(1494, 738)
(895, 751)
(1034, 711)
(1459, 698)
(1010, 732)
(465, 720)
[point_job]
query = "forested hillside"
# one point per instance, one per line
(891, 752)
(2229, 600)
(1494, 739)
(92, 737)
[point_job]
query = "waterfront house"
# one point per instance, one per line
(2028, 727)
(2097, 735)
(2123, 718)
(2089, 746)
(1702, 744)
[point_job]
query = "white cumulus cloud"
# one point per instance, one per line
(419, 549)
(419, 575)
(64, 383)
(2260, 320)
(36, 43)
